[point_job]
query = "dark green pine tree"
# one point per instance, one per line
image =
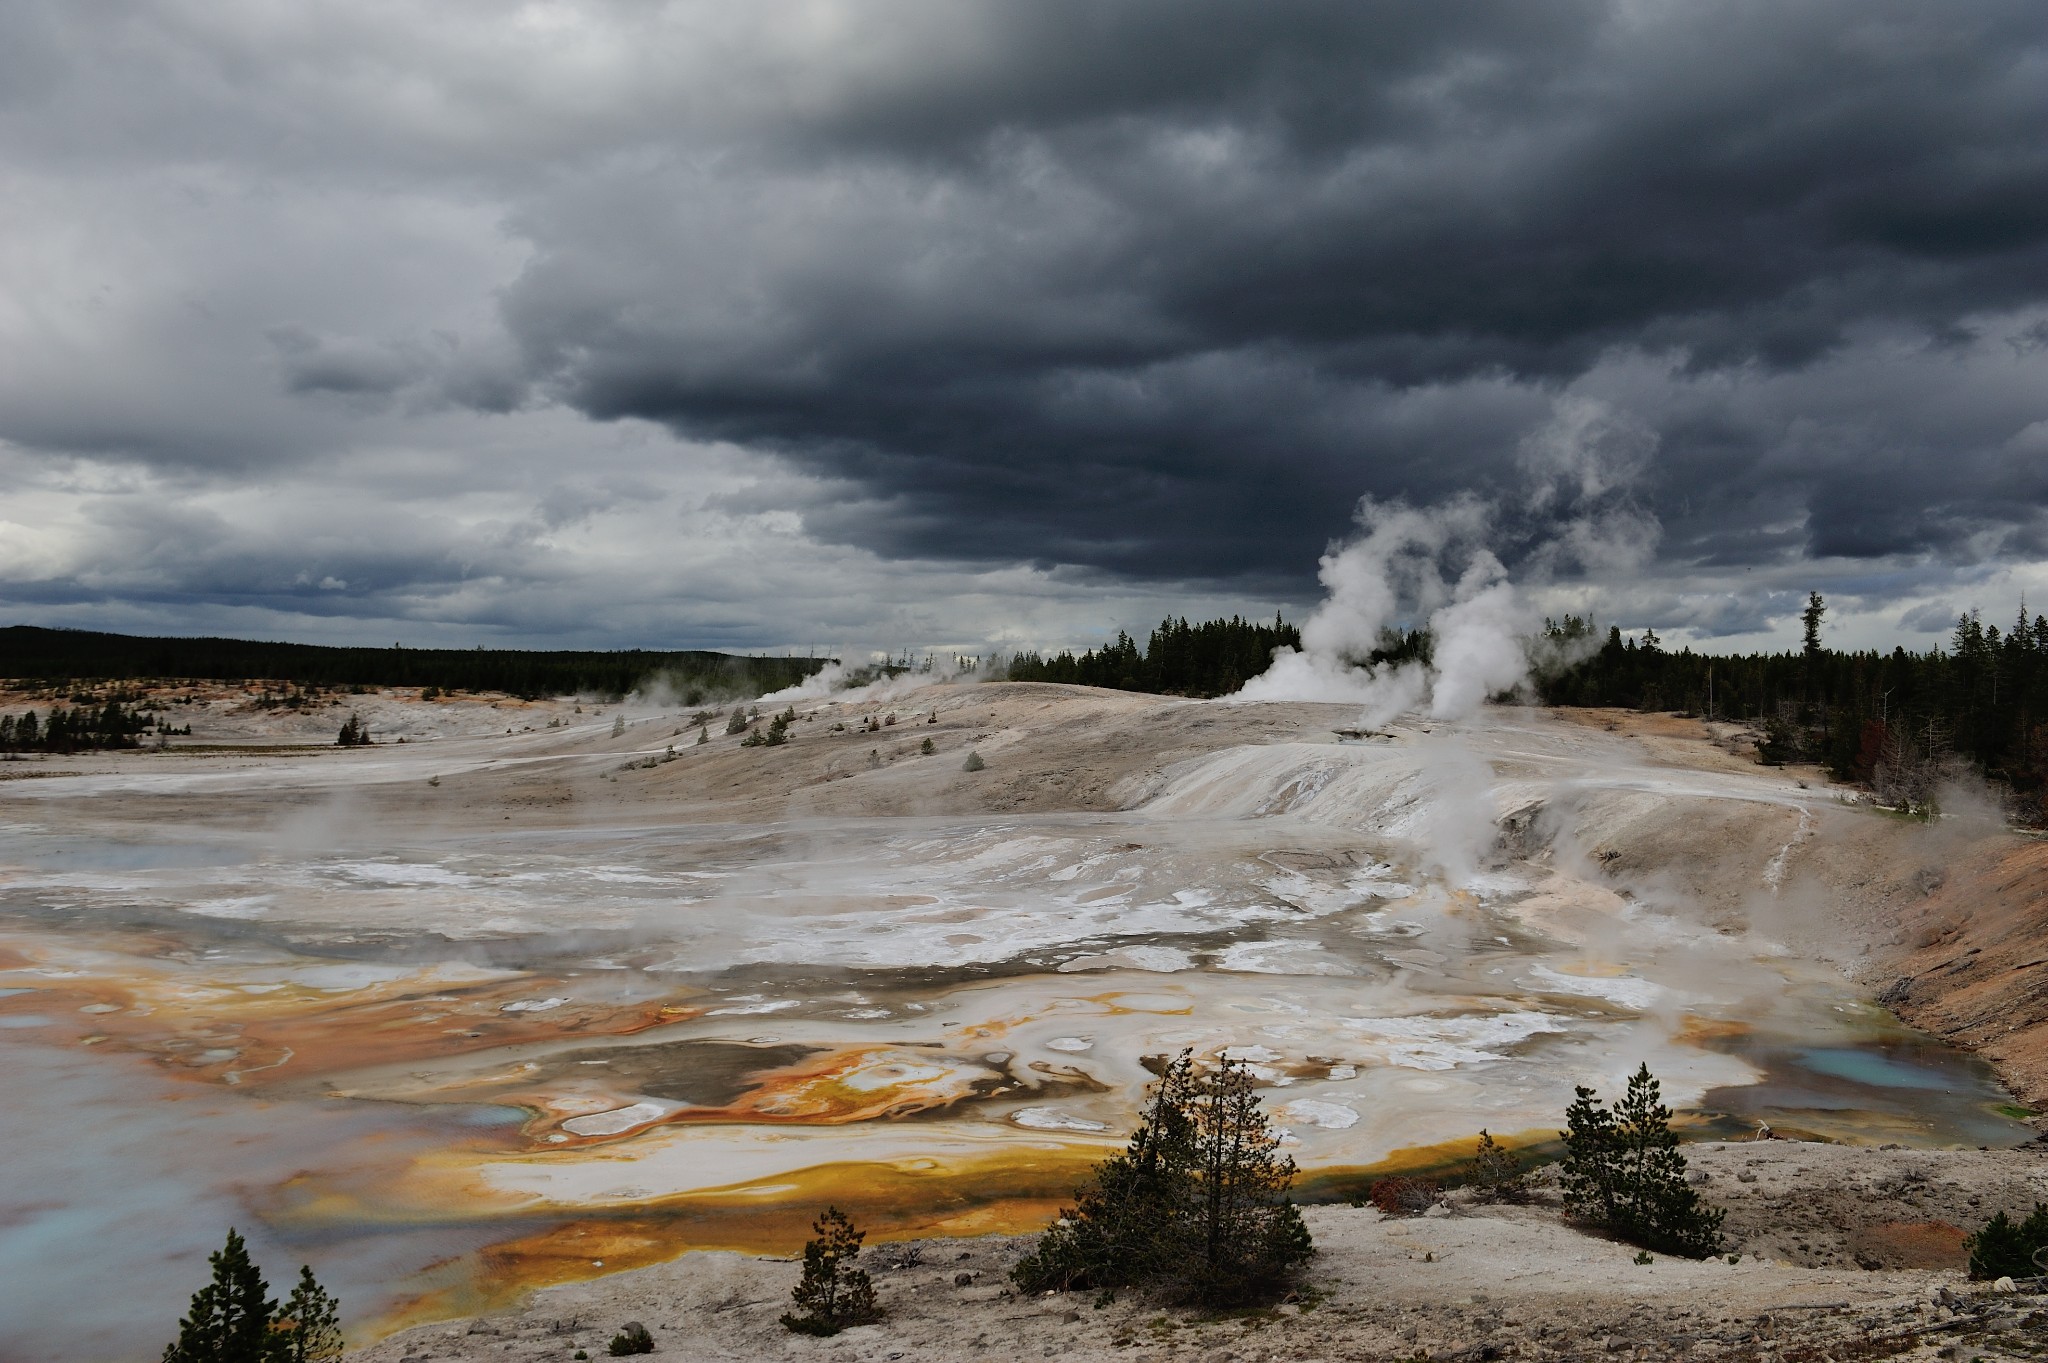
(832, 1293)
(1195, 1208)
(1587, 1173)
(2008, 1248)
(1622, 1170)
(1122, 1228)
(230, 1317)
(1809, 625)
(1251, 1237)
(310, 1323)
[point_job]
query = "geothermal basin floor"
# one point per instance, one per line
(549, 992)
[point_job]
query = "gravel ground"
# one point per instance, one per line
(1841, 1253)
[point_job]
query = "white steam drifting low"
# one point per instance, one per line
(1432, 559)
(840, 681)
(1436, 565)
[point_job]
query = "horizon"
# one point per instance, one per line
(1630, 637)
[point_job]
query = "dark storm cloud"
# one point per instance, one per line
(1152, 287)
(970, 321)
(318, 364)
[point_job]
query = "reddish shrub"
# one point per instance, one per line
(1403, 1196)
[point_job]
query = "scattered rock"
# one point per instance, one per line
(632, 1338)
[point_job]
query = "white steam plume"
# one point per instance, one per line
(832, 683)
(1434, 564)
(1478, 650)
(1399, 566)
(1582, 466)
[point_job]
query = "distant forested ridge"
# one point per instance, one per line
(1899, 722)
(1214, 658)
(32, 654)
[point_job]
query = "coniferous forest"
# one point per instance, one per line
(1900, 723)
(74, 730)
(30, 653)
(1213, 658)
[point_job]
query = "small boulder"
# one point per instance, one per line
(632, 1338)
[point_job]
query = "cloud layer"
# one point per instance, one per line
(1016, 316)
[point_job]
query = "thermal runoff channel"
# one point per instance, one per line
(553, 989)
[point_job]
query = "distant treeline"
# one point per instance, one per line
(1214, 658)
(29, 653)
(61, 730)
(1898, 721)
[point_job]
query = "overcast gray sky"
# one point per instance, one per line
(978, 323)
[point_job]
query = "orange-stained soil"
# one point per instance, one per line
(1837, 1252)
(1910, 1244)
(1972, 959)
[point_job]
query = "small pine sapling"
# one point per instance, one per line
(774, 736)
(927, 747)
(632, 1338)
(309, 1323)
(1496, 1175)
(973, 762)
(832, 1294)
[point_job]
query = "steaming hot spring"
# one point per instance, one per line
(511, 1003)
